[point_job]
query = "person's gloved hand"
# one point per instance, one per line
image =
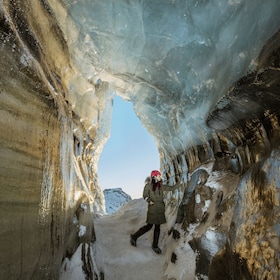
(151, 202)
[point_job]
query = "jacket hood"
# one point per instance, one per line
(148, 180)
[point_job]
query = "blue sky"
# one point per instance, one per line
(130, 153)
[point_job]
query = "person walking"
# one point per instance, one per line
(153, 194)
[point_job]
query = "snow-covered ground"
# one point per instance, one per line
(113, 256)
(118, 260)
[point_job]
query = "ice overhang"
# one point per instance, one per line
(195, 71)
(173, 59)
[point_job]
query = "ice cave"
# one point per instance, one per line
(203, 77)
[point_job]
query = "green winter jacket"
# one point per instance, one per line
(156, 211)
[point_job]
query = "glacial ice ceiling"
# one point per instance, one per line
(190, 68)
(173, 59)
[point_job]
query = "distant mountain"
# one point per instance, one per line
(114, 199)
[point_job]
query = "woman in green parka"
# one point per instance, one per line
(153, 194)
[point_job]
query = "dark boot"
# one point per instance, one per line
(156, 238)
(141, 231)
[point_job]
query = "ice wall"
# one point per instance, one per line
(49, 188)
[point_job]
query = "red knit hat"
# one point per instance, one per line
(155, 173)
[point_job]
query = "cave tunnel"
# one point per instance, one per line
(203, 78)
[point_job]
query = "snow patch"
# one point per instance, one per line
(206, 206)
(82, 230)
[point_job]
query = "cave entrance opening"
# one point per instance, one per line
(129, 154)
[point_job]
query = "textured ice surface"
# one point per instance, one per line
(171, 58)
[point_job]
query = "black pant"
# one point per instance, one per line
(145, 229)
